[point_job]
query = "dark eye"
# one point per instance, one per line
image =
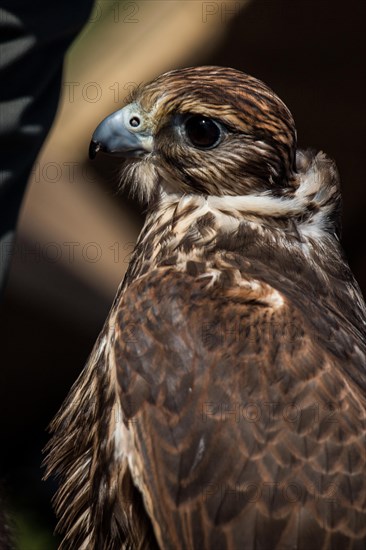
(202, 131)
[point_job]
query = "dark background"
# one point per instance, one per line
(313, 55)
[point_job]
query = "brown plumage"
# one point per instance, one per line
(224, 404)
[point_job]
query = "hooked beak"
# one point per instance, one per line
(122, 134)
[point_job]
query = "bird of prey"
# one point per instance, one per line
(224, 404)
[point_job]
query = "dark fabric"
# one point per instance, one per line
(34, 37)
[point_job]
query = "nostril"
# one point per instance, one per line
(94, 148)
(135, 122)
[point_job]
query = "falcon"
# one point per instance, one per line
(224, 403)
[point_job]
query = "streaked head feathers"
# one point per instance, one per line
(217, 132)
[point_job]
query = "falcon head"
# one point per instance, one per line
(225, 136)
(202, 130)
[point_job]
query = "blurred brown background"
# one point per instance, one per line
(76, 232)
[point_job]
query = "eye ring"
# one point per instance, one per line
(203, 132)
(135, 121)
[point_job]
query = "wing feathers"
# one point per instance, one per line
(236, 435)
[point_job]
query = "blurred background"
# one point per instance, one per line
(76, 232)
